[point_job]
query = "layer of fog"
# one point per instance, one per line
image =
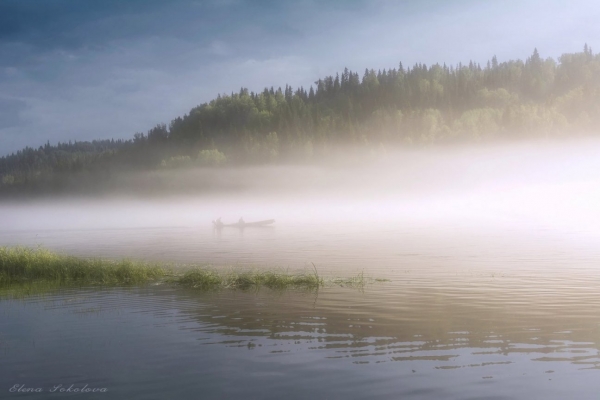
(534, 185)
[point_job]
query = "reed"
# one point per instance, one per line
(358, 281)
(30, 271)
(209, 279)
(26, 265)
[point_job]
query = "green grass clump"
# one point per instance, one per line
(358, 281)
(25, 271)
(200, 279)
(210, 279)
(26, 265)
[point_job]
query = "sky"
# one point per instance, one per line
(87, 69)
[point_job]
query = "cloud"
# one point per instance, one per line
(85, 70)
(10, 112)
(220, 48)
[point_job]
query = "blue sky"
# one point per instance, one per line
(87, 69)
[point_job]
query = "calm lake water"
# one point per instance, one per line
(492, 293)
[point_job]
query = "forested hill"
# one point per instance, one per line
(406, 106)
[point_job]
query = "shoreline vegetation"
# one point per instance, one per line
(26, 271)
(375, 111)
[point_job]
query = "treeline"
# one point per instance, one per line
(400, 106)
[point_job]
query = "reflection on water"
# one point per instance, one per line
(454, 338)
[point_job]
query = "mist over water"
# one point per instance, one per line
(535, 188)
(490, 254)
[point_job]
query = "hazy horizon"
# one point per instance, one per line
(530, 185)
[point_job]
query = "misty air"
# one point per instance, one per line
(234, 199)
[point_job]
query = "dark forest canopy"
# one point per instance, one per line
(406, 106)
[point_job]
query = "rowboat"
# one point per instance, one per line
(219, 224)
